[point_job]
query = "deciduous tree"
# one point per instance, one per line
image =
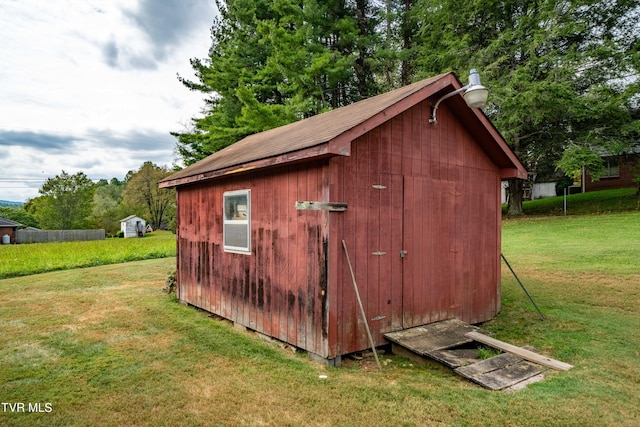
(65, 202)
(107, 205)
(19, 215)
(143, 197)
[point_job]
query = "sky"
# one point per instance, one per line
(91, 86)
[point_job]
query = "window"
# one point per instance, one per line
(611, 168)
(237, 221)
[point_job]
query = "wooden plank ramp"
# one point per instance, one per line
(521, 352)
(440, 341)
(455, 344)
(500, 372)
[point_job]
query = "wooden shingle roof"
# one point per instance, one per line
(325, 134)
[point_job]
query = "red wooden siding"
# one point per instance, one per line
(410, 186)
(280, 288)
(440, 204)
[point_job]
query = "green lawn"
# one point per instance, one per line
(20, 260)
(576, 244)
(595, 202)
(104, 346)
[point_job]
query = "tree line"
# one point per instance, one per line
(68, 202)
(563, 74)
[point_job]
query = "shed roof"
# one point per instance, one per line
(9, 223)
(130, 217)
(331, 133)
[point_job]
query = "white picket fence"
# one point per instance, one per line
(43, 236)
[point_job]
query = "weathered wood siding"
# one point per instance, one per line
(409, 186)
(280, 288)
(427, 190)
(131, 227)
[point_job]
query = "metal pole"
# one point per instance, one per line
(366, 324)
(522, 286)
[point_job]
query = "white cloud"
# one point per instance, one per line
(101, 75)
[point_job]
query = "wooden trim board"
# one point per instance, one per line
(518, 351)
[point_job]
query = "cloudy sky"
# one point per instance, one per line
(90, 86)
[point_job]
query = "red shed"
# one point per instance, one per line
(260, 224)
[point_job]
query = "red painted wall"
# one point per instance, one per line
(280, 288)
(425, 189)
(440, 205)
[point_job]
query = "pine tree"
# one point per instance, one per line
(274, 62)
(558, 70)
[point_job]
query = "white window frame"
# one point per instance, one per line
(246, 212)
(608, 167)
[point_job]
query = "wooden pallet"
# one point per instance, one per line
(454, 343)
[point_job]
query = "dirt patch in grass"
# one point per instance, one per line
(32, 354)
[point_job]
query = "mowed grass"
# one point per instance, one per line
(104, 346)
(594, 202)
(25, 259)
(584, 274)
(578, 244)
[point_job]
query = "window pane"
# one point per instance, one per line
(236, 235)
(237, 221)
(235, 207)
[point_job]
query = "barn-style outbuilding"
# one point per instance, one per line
(133, 226)
(261, 223)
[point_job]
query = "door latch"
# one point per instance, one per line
(403, 253)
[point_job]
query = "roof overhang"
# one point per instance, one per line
(312, 153)
(309, 139)
(485, 133)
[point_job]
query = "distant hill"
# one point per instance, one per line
(9, 204)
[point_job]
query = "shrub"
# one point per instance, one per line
(172, 281)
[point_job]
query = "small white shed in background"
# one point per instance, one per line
(133, 226)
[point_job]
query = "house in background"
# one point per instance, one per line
(261, 223)
(537, 190)
(619, 173)
(8, 230)
(133, 226)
